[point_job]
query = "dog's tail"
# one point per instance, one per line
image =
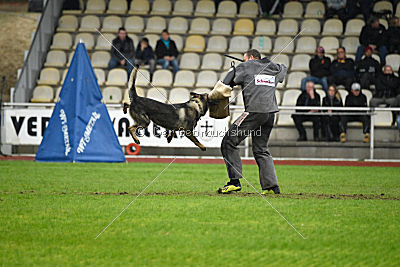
(131, 83)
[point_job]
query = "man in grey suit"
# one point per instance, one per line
(258, 78)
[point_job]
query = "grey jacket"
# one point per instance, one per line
(258, 79)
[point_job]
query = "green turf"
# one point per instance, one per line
(50, 214)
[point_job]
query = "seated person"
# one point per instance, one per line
(342, 70)
(392, 37)
(330, 123)
(355, 99)
(319, 69)
(367, 69)
(373, 35)
(355, 7)
(336, 7)
(167, 52)
(386, 89)
(122, 44)
(307, 98)
(145, 55)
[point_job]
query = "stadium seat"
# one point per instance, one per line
(95, 7)
(142, 78)
(294, 79)
(300, 62)
(179, 95)
(201, 90)
(351, 44)
(155, 25)
(239, 44)
(89, 23)
(62, 40)
(239, 99)
(227, 62)
(117, 7)
(134, 24)
(70, 56)
(86, 38)
(248, 10)
(67, 23)
(306, 45)
(332, 27)
(353, 27)
(64, 75)
(383, 119)
(217, 44)
(368, 94)
(162, 78)
(288, 27)
(153, 38)
(183, 8)
(49, 76)
(158, 94)
(343, 94)
(205, 9)
(293, 10)
(262, 43)
(102, 42)
(75, 11)
(330, 44)
(383, 5)
(57, 94)
(384, 23)
(289, 99)
(283, 44)
(100, 75)
(195, 43)
(310, 27)
(243, 27)
(207, 78)
(178, 41)
(111, 24)
(315, 9)
(178, 25)
(265, 27)
(199, 26)
(42, 94)
(55, 58)
(161, 8)
(140, 91)
(112, 95)
(280, 59)
(227, 9)
(117, 77)
(211, 61)
(184, 78)
(393, 60)
(100, 59)
(221, 26)
(278, 97)
(139, 7)
(190, 61)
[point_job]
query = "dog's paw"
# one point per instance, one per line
(169, 139)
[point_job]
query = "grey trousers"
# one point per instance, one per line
(259, 126)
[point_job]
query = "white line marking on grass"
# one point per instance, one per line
(122, 211)
(263, 197)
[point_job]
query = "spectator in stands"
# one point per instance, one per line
(373, 35)
(308, 98)
(122, 44)
(319, 69)
(355, 99)
(355, 7)
(330, 123)
(367, 69)
(387, 88)
(145, 55)
(392, 37)
(167, 52)
(342, 70)
(336, 7)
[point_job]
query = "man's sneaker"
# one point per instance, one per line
(343, 138)
(366, 138)
(229, 188)
(271, 191)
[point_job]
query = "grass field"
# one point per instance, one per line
(51, 213)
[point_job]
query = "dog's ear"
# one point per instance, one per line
(193, 95)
